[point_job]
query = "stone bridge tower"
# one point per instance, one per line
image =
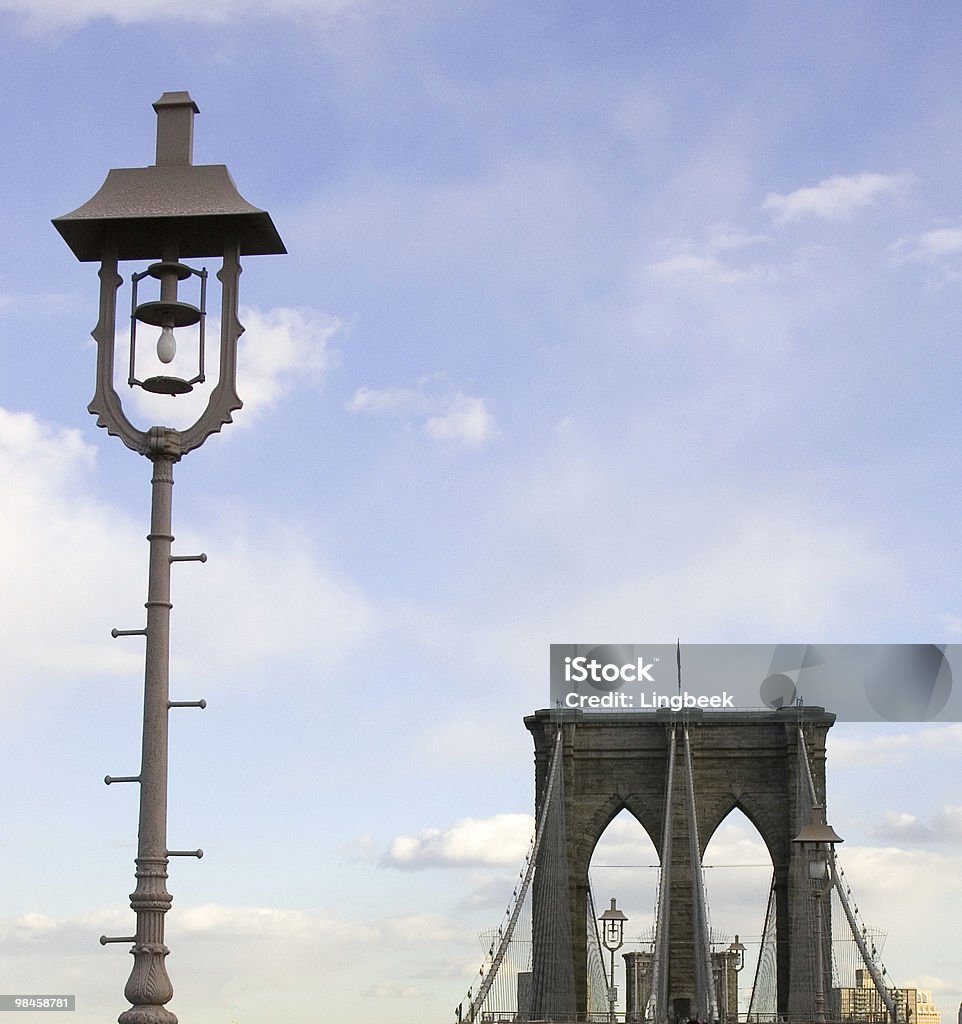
(612, 761)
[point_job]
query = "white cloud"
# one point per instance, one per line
(281, 348)
(737, 841)
(421, 929)
(489, 891)
(781, 571)
(72, 567)
(454, 416)
(711, 260)
(883, 749)
(386, 400)
(238, 962)
(952, 623)
(938, 242)
(835, 198)
(33, 924)
(64, 557)
(500, 840)
(881, 878)
(892, 747)
(727, 238)
(935, 247)
(903, 827)
(466, 419)
(46, 14)
(271, 923)
(686, 267)
(266, 597)
(393, 990)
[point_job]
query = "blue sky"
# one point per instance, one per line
(622, 321)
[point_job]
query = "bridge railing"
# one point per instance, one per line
(621, 1017)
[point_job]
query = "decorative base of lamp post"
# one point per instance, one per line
(148, 987)
(147, 1015)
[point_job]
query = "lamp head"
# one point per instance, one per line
(170, 211)
(613, 927)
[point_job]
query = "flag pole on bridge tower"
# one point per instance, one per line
(678, 658)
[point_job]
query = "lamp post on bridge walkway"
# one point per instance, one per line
(613, 936)
(165, 213)
(736, 961)
(818, 840)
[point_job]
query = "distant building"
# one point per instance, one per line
(863, 1003)
(638, 985)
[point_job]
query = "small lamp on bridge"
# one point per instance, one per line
(734, 961)
(613, 927)
(817, 839)
(613, 936)
(736, 955)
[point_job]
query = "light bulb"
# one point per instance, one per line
(166, 345)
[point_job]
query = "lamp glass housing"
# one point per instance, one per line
(613, 927)
(169, 312)
(818, 864)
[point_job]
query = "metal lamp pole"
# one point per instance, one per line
(167, 212)
(818, 840)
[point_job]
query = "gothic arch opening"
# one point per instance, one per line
(738, 876)
(624, 866)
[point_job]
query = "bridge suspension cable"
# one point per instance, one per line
(704, 976)
(597, 973)
(658, 1001)
(499, 946)
(763, 1002)
(870, 957)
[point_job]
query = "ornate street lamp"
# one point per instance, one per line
(818, 841)
(613, 937)
(164, 214)
(736, 953)
(734, 961)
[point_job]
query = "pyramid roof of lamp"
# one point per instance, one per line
(138, 211)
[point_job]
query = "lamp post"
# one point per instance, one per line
(613, 936)
(817, 840)
(735, 961)
(165, 213)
